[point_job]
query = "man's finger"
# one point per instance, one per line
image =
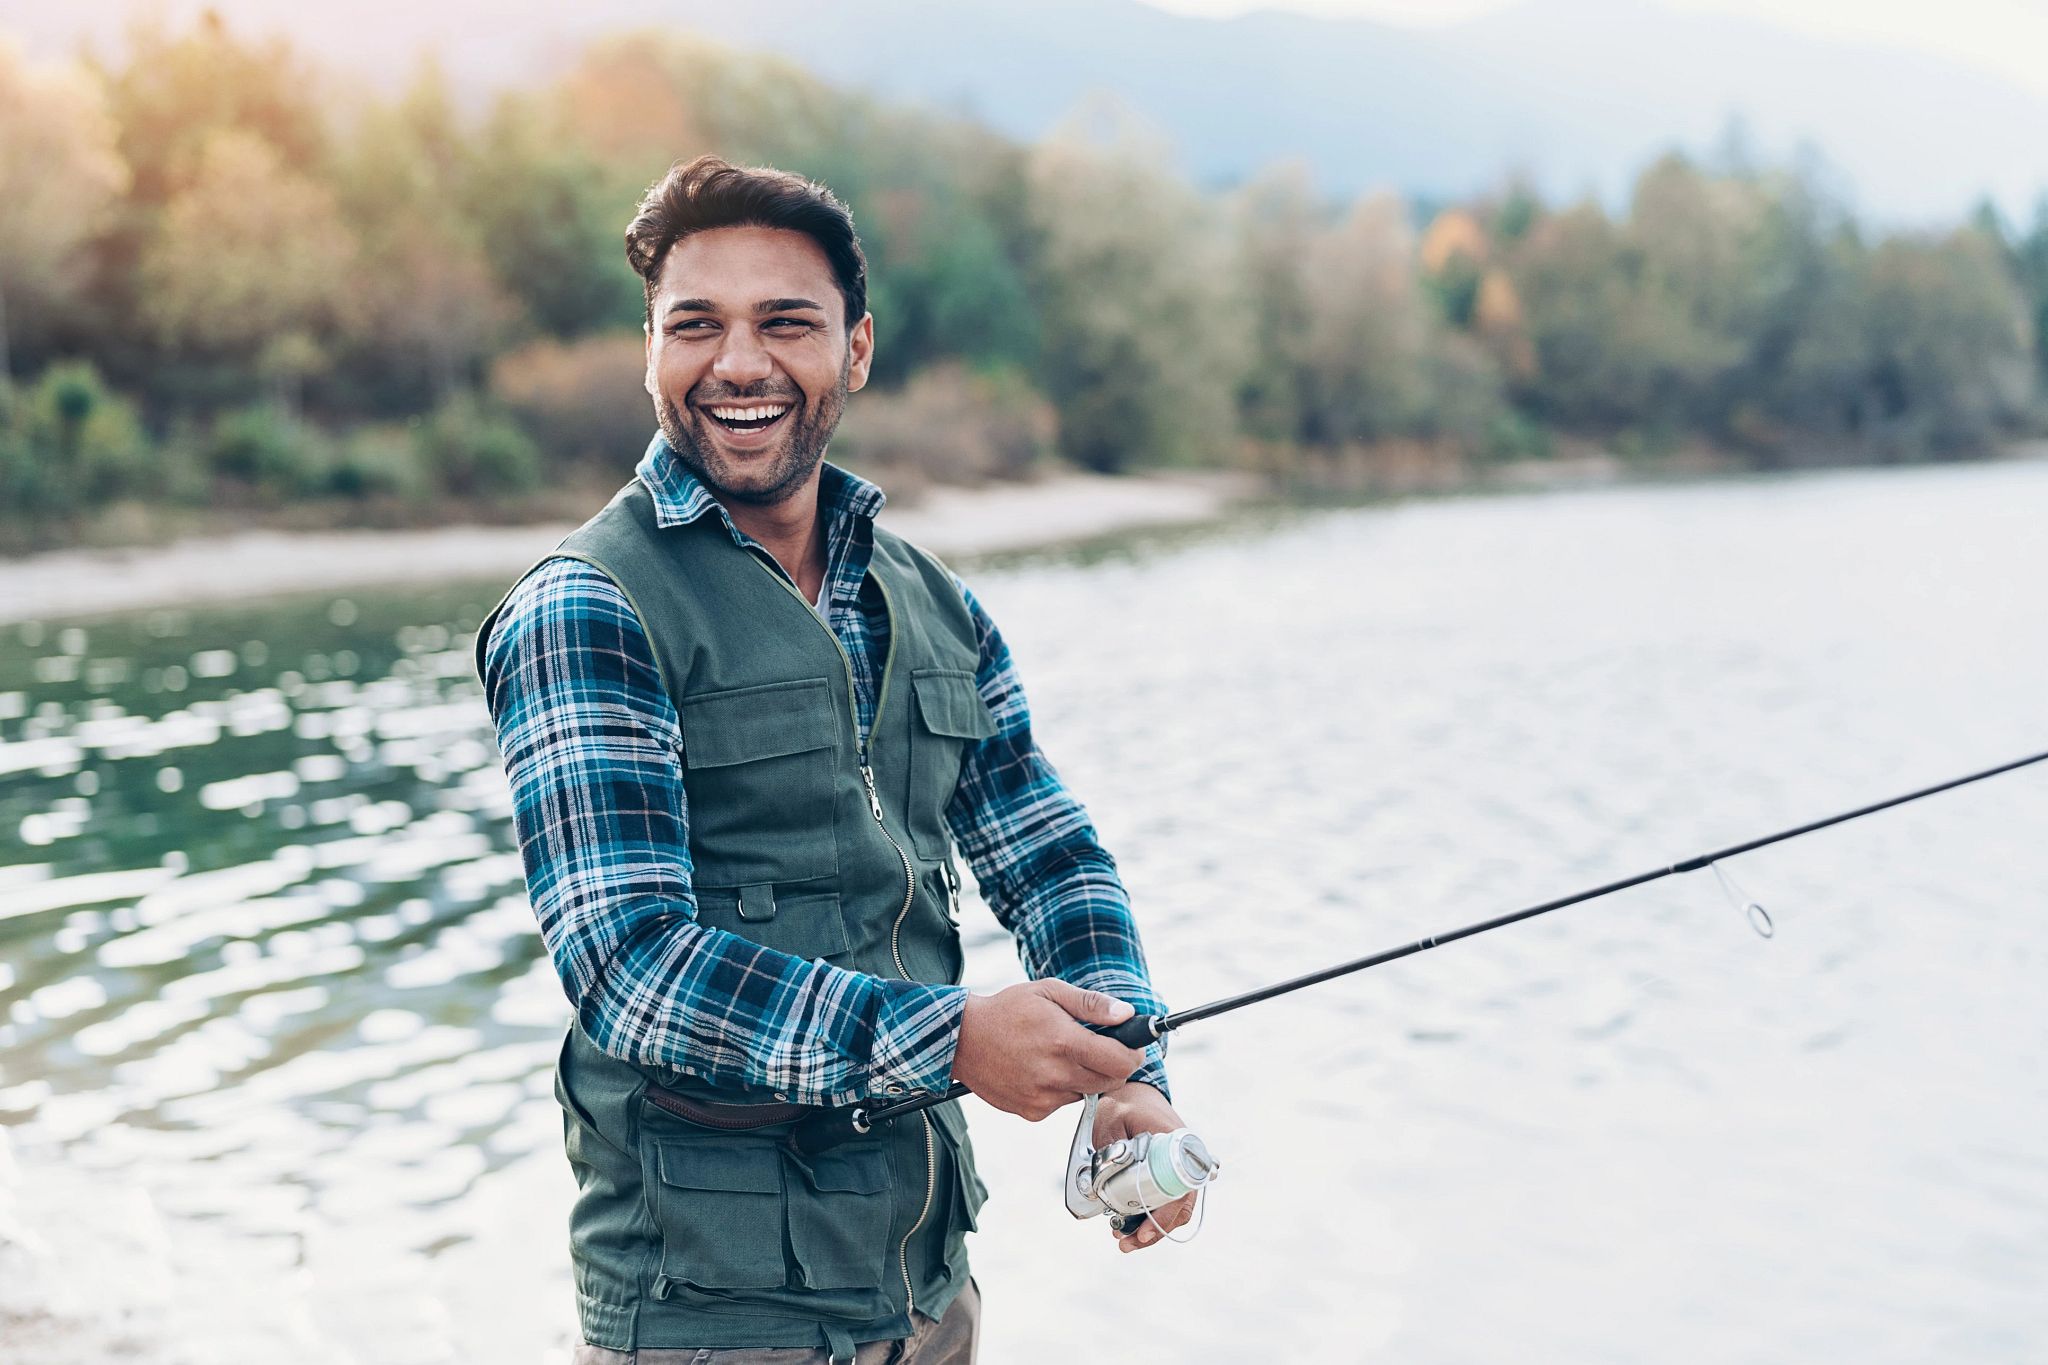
(1090, 1007)
(1105, 1057)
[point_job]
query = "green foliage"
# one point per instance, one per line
(2030, 264)
(1134, 288)
(268, 453)
(68, 442)
(418, 302)
(550, 222)
(380, 462)
(470, 450)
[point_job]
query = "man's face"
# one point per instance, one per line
(749, 360)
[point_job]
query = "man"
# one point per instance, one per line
(745, 728)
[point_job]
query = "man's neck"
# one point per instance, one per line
(790, 530)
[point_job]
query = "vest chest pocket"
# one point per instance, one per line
(950, 716)
(758, 770)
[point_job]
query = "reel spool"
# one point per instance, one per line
(1133, 1176)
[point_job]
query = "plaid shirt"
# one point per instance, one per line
(592, 745)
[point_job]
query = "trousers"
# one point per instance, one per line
(943, 1341)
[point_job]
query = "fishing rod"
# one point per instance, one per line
(1165, 1166)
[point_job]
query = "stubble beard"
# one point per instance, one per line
(790, 466)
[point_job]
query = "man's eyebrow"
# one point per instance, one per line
(765, 306)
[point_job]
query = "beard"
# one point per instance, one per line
(778, 472)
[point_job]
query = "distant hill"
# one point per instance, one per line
(1577, 94)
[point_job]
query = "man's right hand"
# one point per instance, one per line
(1022, 1050)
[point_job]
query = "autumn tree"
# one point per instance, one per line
(250, 265)
(60, 176)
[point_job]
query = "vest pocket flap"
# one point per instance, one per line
(747, 723)
(850, 1172)
(951, 704)
(736, 1170)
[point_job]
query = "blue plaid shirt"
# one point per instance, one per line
(592, 745)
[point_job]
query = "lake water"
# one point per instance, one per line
(275, 1025)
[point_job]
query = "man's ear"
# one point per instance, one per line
(647, 380)
(861, 344)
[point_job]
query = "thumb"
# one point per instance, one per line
(1090, 1007)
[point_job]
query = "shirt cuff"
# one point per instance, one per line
(916, 1034)
(1153, 1073)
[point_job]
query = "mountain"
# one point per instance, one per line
(1575, 94)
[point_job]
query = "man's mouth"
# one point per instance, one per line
(747, 416)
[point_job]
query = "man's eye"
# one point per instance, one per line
(692, 325)
(787, 325)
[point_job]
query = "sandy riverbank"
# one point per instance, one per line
(954, 522)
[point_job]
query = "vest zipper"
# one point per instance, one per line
(867, 777)
(903, 1251)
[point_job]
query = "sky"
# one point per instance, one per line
(2009, 37)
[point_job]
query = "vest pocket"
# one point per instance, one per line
(723, 1207)
(721, 1212)
(808, 924)
(950, 714)
(839, 1228)
(758, 773)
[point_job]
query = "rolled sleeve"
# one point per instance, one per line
(1036, 856)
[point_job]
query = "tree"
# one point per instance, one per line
(1275, 219)
(60, 176)
(430, 308)
(1144, 342)
(250, 264)
(548, 218)
(177, 92)
(2031, 264)
(1950, 344)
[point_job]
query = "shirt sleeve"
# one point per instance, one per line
(592, 747)
(1036, 856)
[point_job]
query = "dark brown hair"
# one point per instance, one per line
(712, 193)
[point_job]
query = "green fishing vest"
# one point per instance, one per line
(687, 1236)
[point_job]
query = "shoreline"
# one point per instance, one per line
(951, 522)
(1069, 508)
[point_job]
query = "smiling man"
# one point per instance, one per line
(746, 729)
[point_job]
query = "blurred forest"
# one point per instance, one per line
(232, 285)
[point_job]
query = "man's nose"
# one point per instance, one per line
(741, 359)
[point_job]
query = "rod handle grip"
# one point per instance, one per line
(1135, 1031)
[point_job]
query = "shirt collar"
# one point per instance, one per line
(680, 496)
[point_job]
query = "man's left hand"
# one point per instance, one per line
(1132, 1108)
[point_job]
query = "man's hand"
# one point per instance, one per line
(1126, 1111)
(1022, 1050)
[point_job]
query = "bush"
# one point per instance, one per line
(582, 400)
(380, 462)
(469, 450)
(269, 450)
(950, 425)
(68, 442)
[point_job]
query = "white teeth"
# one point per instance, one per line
(748, 414)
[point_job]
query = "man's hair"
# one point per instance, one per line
(712, 193)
